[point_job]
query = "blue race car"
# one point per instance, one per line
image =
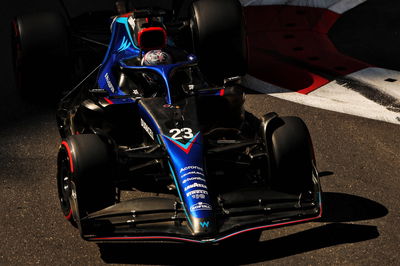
(156, 144)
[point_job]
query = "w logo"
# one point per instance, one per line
(204, 224)
(124, 44)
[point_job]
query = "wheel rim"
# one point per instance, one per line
(64, 183)
(73, 201)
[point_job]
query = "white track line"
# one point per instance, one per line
(337, 6)
(386, 80)
(367, 93)
(333, 97)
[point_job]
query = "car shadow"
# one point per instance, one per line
(338, 208)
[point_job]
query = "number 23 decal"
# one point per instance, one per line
(183, 133)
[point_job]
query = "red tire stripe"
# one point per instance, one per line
(71, 165)
(69, 216)
(16, 29)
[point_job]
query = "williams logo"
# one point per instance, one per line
(204, 224)
(124, 44)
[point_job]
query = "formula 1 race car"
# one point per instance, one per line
(156, 144)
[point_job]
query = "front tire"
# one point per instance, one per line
(64, 175)
(292, 157)
(86, 168)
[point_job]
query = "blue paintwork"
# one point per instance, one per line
(121, 47)
(185, 159)
(163, 71)
(187, 169)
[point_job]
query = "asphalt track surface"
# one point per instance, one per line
(359, 160)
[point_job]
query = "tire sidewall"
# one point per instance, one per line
(41, 55)
(291, 156)
(91, 180)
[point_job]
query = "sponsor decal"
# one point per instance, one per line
(195, 185)
(147, 128)
(193, 179)
(205, 224)
(109, 83)
(191, 167)
(192, 173)
(201, 206)
(197, 191)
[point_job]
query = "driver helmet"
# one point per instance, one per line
(156, 57)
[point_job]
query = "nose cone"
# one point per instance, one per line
(204, 226)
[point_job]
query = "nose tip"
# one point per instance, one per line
(203, 226)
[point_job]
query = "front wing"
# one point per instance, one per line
(163, 219)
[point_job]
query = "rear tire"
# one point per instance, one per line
(219, 39)
(41, 55)
(89, 187)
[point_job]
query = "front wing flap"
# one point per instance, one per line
(163, 219)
